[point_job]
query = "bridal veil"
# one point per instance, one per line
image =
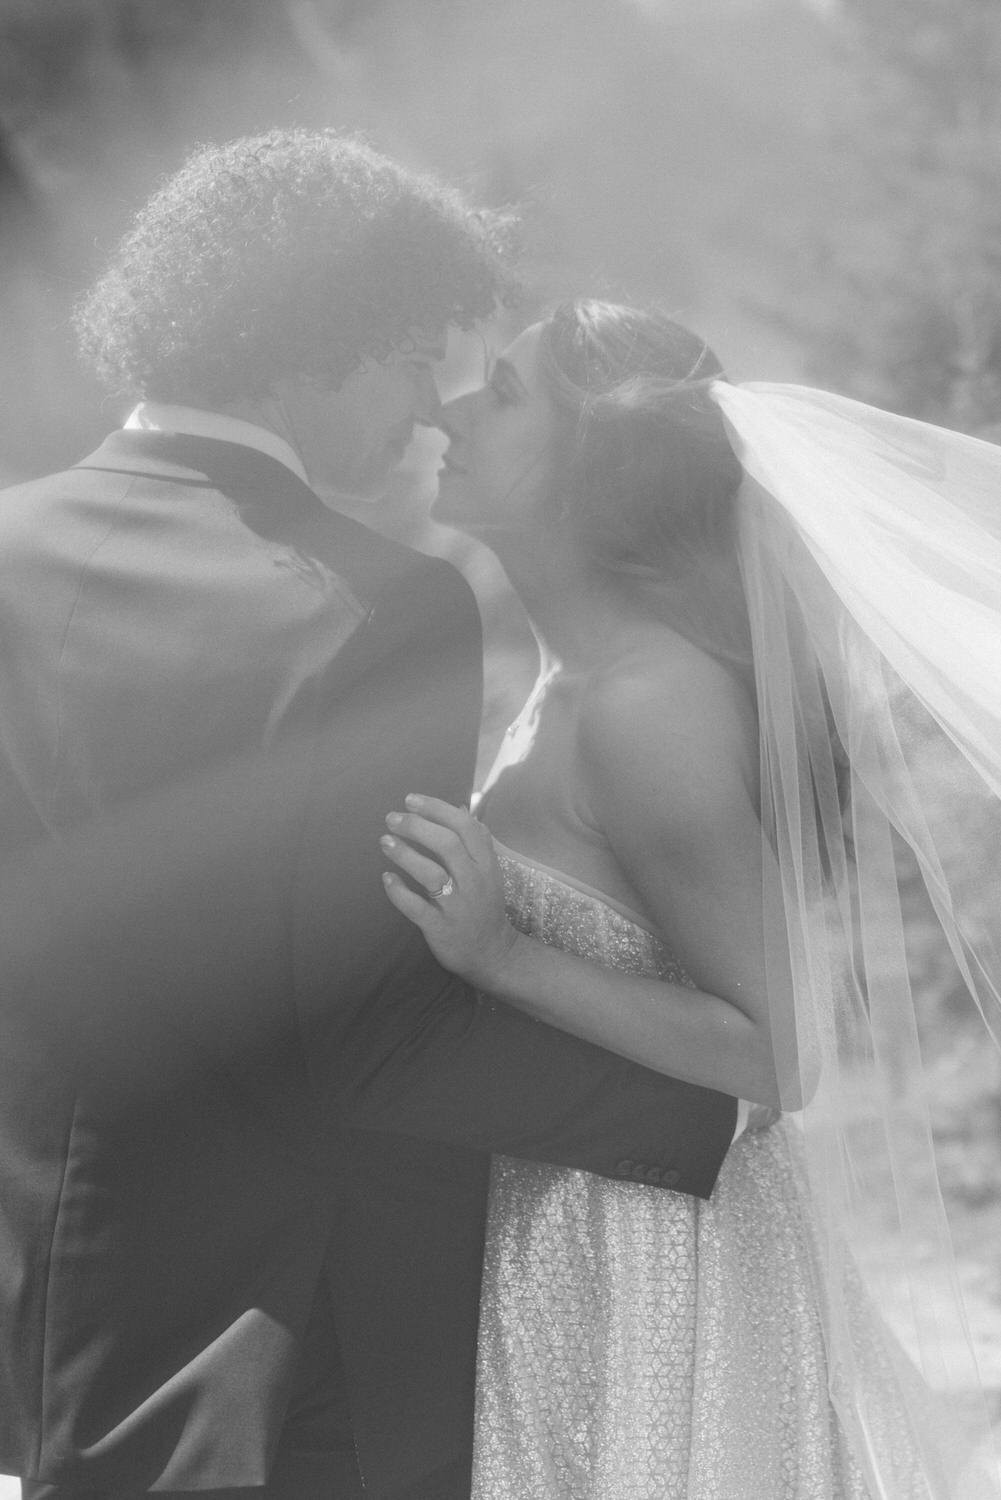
(871, 555)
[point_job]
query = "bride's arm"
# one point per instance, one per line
(670, 779)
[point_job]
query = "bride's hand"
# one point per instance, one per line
(458, 902)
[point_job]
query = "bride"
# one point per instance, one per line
(769, 625)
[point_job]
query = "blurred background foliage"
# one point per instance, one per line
(812, 183)
(815, 185)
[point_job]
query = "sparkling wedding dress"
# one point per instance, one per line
(637, 1344)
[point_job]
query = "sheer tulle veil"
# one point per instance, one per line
(870, 547)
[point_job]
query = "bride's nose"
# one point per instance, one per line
(452, 418)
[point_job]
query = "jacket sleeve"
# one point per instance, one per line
(394, 1041)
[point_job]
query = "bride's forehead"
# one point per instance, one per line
(523, 352)
(526, 342)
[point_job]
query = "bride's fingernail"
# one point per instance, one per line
(394, 819)
(412, 799)
(387, 842)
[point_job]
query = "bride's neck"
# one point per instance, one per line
(578, 622)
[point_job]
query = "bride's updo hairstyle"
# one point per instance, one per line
(646, 474)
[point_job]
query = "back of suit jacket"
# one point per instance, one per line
(227, 1061)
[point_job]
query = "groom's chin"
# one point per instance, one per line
(367, 489)
(446, 506)
(442, 514)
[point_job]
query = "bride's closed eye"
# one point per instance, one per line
(492, 379)
(503, 383)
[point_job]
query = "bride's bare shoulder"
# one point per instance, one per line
(669, 701)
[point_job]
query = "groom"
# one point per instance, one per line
(244, 1116)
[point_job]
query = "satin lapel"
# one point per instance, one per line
(271, 500)
(207, 463)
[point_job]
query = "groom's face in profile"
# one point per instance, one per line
(350, 440)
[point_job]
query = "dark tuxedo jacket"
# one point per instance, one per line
(227, 1065)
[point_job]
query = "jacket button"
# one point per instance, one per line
(670, 1178)
(654, 1174)
(624, 1167)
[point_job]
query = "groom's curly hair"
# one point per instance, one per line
(290, 253)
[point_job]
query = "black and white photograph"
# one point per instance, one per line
(500, 749)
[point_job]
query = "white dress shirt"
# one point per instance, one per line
(158, 416)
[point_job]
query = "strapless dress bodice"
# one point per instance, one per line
(565, 913)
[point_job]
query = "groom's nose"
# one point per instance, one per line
(427, 401)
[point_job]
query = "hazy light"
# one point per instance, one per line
(665, 8)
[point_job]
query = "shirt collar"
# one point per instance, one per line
(159, 416)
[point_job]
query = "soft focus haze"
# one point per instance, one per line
(811, 183)
(814, 185)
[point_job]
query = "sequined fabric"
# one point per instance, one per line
(636, 1344)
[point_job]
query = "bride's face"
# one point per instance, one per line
(498, 465)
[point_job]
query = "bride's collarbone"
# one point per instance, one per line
(535, 808)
